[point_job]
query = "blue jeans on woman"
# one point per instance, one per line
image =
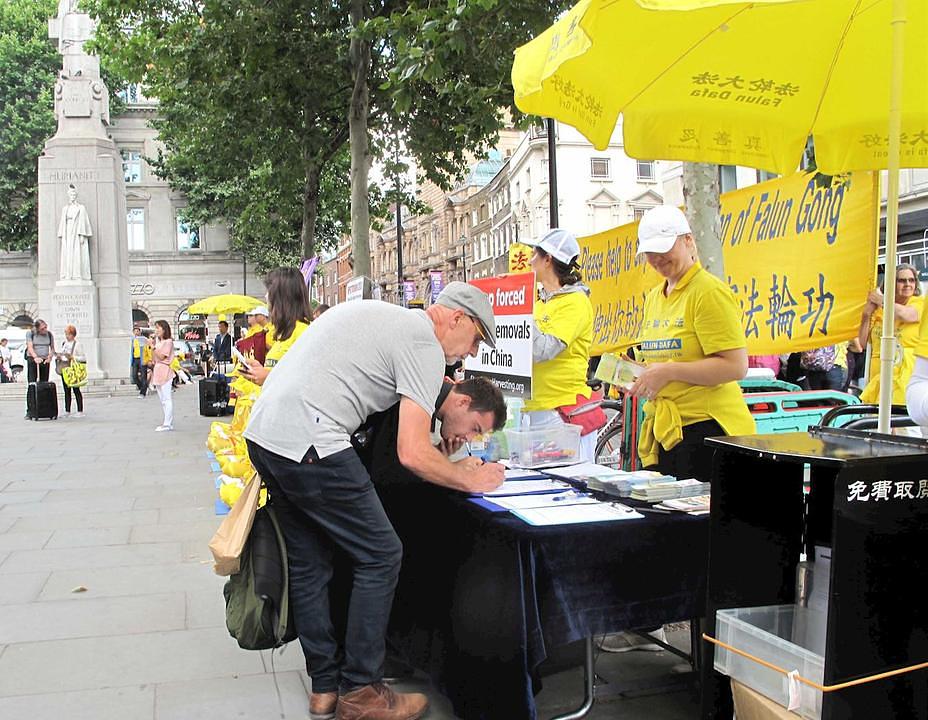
(326, 506)
(833, 379)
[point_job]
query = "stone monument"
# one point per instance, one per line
(83, 268)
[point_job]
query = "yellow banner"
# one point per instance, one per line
(800, 259)
(520, 257)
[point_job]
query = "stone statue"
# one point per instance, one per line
(75, 232)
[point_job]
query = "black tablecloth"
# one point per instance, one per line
(482, 596)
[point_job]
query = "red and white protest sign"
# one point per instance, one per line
(509, 365)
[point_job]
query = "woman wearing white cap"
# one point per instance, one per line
(694, 349)
(562, 337)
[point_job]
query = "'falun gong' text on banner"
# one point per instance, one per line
(799, 258)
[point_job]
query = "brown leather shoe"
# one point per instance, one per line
(322, 705)
(380, 702)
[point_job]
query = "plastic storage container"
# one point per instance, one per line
(544, 447)
(776, 634)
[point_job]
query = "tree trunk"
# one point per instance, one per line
(310, 208)
(360, 58)
(701, 196)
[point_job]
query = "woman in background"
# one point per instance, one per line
(162, 375)
(288, 302)
(72, 351)
(908, 313)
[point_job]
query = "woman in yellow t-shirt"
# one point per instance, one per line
(908, 312)
(693, 346)
(916, 395)
(288, 302)
(563, 332)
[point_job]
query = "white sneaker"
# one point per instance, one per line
(78, 414)
(625, 642)
(164, 428)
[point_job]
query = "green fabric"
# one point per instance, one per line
(261, 586)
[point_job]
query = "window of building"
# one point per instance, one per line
(765, 175)
(132, 95)
(188, 235)
(646, 171)
(544, 171)
(600, 168)
(135, 226)
(518, 191)
(728, 178)
(132, 166)
(528, 179)
(639, 212)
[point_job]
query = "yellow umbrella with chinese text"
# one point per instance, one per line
(740, 83)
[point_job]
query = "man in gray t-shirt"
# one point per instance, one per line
(357, 359)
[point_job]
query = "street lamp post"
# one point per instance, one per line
(464, 257)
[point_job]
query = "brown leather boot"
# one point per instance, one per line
(380, 702)
(322, 706)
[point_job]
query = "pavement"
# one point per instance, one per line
(110, 608)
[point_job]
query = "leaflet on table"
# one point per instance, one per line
(524, 487)
(521, 502)
(524, 474)
(585, 469)
(695, 505)
(572, 514)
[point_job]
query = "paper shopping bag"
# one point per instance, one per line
(230, 538)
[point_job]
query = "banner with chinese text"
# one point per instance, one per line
(509, 365)
(800, 259)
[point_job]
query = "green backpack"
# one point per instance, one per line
(258, 595)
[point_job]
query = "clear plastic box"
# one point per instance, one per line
(779, 634)
(545, 447)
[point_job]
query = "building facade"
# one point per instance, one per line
(171, 262)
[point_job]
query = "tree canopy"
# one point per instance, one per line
(28, 65)
(255, 98)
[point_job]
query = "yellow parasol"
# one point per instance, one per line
(740, 83)
(228, 303)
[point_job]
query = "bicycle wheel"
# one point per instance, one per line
(609, 444)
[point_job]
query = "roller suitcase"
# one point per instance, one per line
(214, 397)
(42, 401)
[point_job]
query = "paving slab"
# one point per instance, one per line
(115, 581)
(197, 497)
(252, 696)
(125, 703)
(92, 503)
(66, 558)
(85, 520)
(98, 617)
(11, 497)
(22, 587)
(88, 537)
(24, 540)
(202, 530)
(124, 660)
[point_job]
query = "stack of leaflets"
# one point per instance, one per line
(666, 489)
(695, 505)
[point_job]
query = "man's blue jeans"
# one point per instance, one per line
(325, 506)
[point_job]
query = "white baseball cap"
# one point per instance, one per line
(660, 227)
(559, 244)
(260, 310)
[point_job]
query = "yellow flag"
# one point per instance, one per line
(519, 258)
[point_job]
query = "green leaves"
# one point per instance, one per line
(28, 64)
